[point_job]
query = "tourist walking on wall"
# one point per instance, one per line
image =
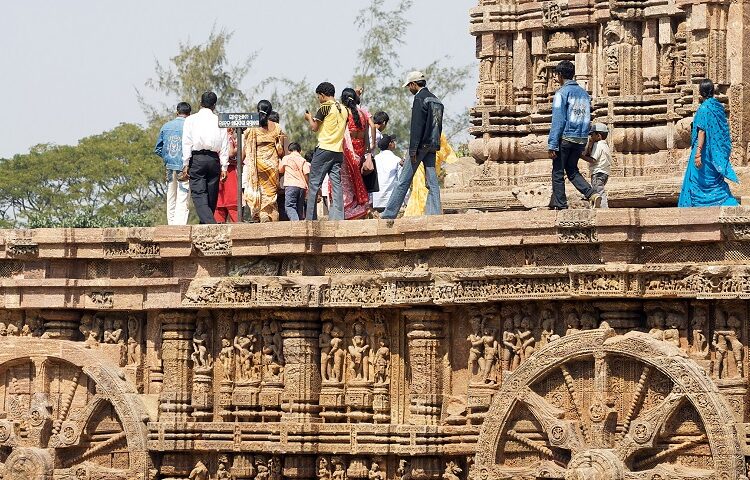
(330, 124)
(169, 148)
(226, 205)
(263, 147)
(426, 130)
(295, 169)
(205, 157)
(598, 155)
(709, 167)
(571, 119)
(357, 158)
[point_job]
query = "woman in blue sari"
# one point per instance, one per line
(708, 168)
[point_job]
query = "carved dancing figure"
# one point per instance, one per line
(403, 472)
(243, 345)
(672, 332)
(278, 342)
(337, 356)
(324, 471)
(526, 337)
(324, 342)
(451, 471)
(200, 345)
(358, 355)
(222, 473)
(475, 350)
(382, 363)
(657, 323)
(588, 321)
(573, 324)
(699, 347)
(133, 339)
(548, 327)
(518, 343)
(339, 473)
(225, 357)
(491, 352)
(735, 345)
(86, 328)
(375, 473)
(509, 345)
(200, 472)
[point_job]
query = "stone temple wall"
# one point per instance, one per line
(608, 344)
(641, 62)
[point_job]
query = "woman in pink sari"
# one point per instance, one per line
(356, 156)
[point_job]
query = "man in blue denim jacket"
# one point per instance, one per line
(169, 147)
(571, 117)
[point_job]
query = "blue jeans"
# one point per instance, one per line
(433, 206)
(294, 203)
(326, 162)
(566, 163)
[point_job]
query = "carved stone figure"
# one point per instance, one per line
(573, 323)
(657, 323)
(526, 339)
(324, 343)
(476, 345)
(225, 357)
(451, 471)
(382, 363)
(509, 345)
(133, 339)
(199, 472)
(548, 327)
(200, 355)
(375, 473)
(339, 471)
(699, 346)
(337, 355)
(245, 344)
(491, 351)
(403, 472)
(672, 334)
(358, 353)
(728, 346)
(222, 472)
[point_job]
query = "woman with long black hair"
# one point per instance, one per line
(263, 147)
(356, 152)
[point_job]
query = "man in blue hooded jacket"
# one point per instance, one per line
(169, 148)
(571, 119)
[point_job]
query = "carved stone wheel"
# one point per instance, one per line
(66, 414)
(598, 406)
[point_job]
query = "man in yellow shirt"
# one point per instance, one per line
(330, 124)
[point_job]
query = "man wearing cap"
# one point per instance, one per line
(571, 120)
(205, 157)
(422, 149)
(598, 155)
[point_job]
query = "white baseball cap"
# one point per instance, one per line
(414, 76)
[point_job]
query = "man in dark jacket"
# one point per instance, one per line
(422, 149)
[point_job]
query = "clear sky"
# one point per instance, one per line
(70, 68)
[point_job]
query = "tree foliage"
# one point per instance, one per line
(195, 69)
(108, 179)
(381, 75)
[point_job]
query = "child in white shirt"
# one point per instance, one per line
(598, 155)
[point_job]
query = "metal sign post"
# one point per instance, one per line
(239, 121)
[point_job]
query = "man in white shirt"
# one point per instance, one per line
(388, 166)
(205, 157)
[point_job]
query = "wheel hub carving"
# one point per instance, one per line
(598, 406)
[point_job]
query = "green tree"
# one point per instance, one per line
(109, 179)
(290, 99)
(380, 73)
(195, 69)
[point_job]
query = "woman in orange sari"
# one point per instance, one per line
(356, 154)
(263, 147)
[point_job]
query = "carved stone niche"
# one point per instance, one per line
(728, 352)
(355, 367)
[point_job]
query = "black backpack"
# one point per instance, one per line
(434, 124)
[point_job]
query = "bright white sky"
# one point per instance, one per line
(70, 68)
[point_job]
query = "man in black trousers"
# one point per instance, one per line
(205, 157)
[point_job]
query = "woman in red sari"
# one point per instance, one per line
(226, 206)
(356, 154)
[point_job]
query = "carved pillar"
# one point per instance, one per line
(522, 69)
(300, 331)
(650, 57)
(174, 399)
(424, 331)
